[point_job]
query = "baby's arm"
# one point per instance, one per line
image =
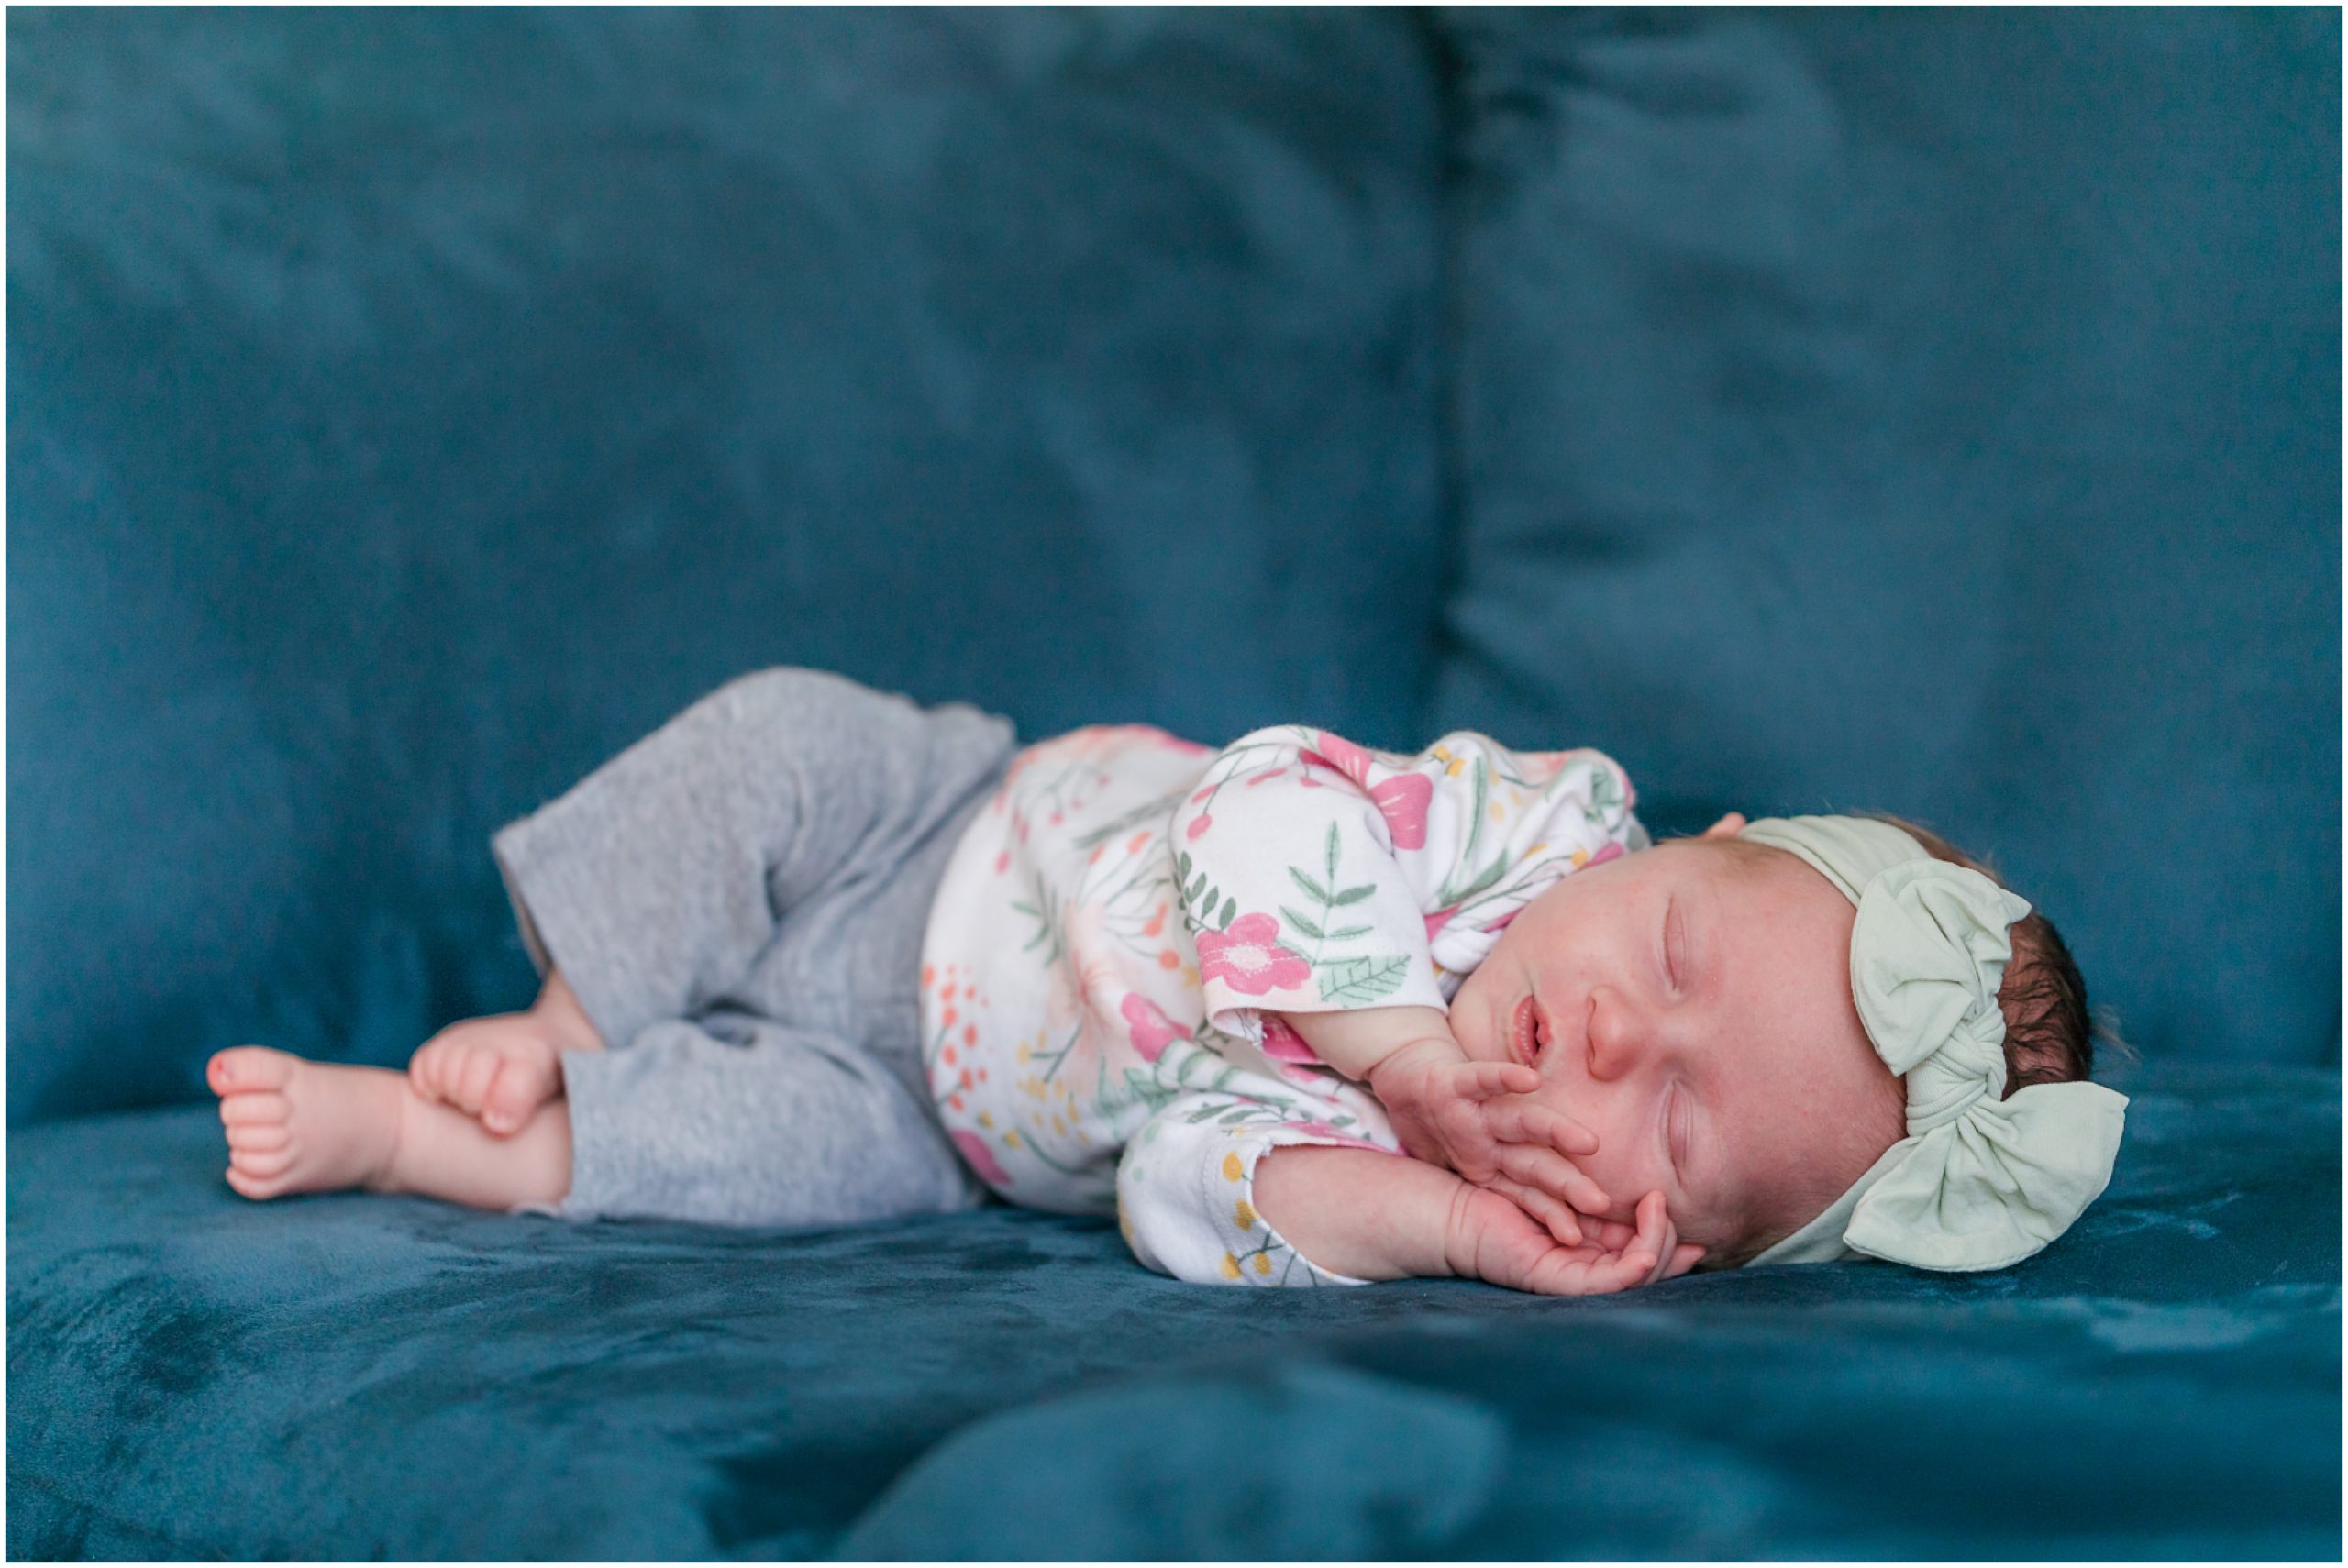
(1370, 1215)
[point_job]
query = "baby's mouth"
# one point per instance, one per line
(1525, 1042)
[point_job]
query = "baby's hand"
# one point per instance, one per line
(1448, 1111)
(1495, 1241)
(500, 1069)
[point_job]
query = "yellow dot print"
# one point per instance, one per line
(1232, 1169)
(1263, 1263)
(1244, 1215)
(1582, 858)
(1010, 1140)
(1230, 1266)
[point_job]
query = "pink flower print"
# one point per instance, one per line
(1283, 1044)
(1152, 1029)
(1438, 920)
(1612, 852)
(1199, 825)
(1248, 957)
(1402, 799)
(1342, 755)
(982, 1159)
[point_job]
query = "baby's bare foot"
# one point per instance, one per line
(302, 1126)
(499, 1069)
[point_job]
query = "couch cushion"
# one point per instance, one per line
(410, 408)
(191, 1375)
(1935, 412)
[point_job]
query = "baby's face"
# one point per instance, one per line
(1699, 1020)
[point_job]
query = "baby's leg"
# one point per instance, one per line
(658, 883)
(301, 1126)
(732, 1119)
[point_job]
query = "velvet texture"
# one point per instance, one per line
(351, 1377)
(1930, 411)
(410, 408)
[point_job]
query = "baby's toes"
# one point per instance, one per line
(261, 1164)
(518, 1091)
(423, 1069)
(247, 1184)
(258, 1137)
(244, 1068)
(470, 1091)
(256, 1110)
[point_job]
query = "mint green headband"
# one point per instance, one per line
(1979, 1182)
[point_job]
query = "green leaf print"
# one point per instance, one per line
(1450, 898)
(1604, 792)
(1154, 812)
(1359, 981)
(1352, 980)
(1475, 812)
(1199, 905)
(1047, 922)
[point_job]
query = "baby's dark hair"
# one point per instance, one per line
(2051, 1036)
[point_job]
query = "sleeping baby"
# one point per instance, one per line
(1295, 1011)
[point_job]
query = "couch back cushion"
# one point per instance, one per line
(1938, 412)
(408, 409)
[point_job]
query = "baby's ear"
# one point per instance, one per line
(1728, 826)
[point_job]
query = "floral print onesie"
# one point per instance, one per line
(1112, 928)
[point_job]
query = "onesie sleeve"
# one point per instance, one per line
(1186, 1188)
(1316, 876)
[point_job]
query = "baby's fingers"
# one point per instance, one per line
(1484, 1080)
(1552, 1173)
(1656, 1237)
(1619, 1267)
(1559, 1218)
(1522, 1121)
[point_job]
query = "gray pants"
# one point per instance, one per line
(739, 900)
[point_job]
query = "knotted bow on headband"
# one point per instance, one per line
(1978, 1182)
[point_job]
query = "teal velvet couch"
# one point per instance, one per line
(1920, 411)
